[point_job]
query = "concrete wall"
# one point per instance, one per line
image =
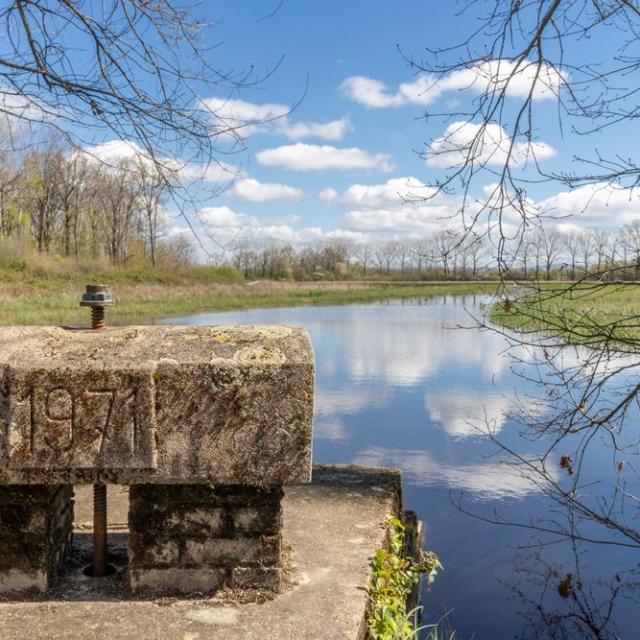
(35, 530)
(186, 538)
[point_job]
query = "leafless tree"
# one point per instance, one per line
(151, 189)
(601, 244)
(516, 52)
(385, 254)
(71, 182)
(572, 241)
(586, 249)
(403, 253)
(134, 70)
(364, 255)
(631, 242)
(551, 245)
(476, 248)
(120, 194)
(43, 195)
(445, 246)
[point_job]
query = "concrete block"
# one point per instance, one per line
(154, 553)
(225, 552)
(327, 596)
(192, 527)
(198, 522)
(166, 405)
(256, 520)
(35, 528)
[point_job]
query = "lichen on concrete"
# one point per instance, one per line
(218, 405)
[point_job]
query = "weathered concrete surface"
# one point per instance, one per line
(217, 405)
(184, 538)
(331, 528)
(35, 528)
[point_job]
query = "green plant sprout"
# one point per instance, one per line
(394, 578)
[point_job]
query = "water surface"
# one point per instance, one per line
(399, 383)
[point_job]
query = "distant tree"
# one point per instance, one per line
(151, 189)
(135, 70)
(42, 194)
(572, 242)
(404, 252)
(445, 246)
(385, 254)
(364, 255)
(631, 242)
(551, 244)
(601, 242)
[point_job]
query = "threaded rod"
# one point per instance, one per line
(99, 530)
(97, 317)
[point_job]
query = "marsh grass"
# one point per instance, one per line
(33, 297)
(583, 314)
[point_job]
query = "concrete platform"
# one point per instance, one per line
(331, 529)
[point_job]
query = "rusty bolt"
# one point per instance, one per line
(97, 296)
(100, 566)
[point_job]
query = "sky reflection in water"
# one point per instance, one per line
(400, 384)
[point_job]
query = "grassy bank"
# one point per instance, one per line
(46, 298)
(589, 313)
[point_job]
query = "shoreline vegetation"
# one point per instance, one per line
(586, 313)
(47, 297)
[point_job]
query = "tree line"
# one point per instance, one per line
(66, 203)
(541, 254)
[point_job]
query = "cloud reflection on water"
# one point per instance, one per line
(464, 412)
(332, 405)
(491, 481)
(409, 347)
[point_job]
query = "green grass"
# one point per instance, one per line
(51, 298)
(584, 314)
(393, 577)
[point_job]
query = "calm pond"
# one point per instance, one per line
(400, 384)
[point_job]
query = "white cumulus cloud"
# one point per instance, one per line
(423, 219)
(242, 118)
(18, 112)
(489, 76)
(328, 195)
(484, 144)
(394, 192)
(402, 205)
(375, 94)
(226, 218)
(228, 226)
(506, 75)
(115, 152)
(246, 117)
(595, 204)
(310, 157)
(332, 130)
(255, 191)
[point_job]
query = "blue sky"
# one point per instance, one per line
(292, 188)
